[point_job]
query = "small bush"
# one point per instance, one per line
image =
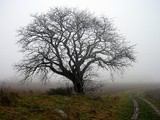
(60, 91)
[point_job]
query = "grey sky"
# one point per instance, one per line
(137, 20)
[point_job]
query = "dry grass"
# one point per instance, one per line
(38, 106)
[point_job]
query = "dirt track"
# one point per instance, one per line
(136, 108)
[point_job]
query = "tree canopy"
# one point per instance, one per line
(69, 42)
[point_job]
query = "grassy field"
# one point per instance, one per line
(146, 112)
(40, 106)
(126, 109)
(153, 96)
(46, 106)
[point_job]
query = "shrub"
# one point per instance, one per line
(8, 98)
(60, 91)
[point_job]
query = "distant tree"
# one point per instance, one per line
(70, 42)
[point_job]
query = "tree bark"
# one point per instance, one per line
(78, 87)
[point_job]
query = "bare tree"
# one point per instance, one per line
(70, 42)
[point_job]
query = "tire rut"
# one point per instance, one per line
(136, 108)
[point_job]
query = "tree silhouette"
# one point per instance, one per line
(69, 42)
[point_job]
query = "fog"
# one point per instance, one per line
(137, 20)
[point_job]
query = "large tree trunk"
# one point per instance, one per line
(78, 87)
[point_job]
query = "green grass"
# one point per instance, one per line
(126, 110)
(146, 112)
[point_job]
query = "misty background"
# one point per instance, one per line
(137, 20)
